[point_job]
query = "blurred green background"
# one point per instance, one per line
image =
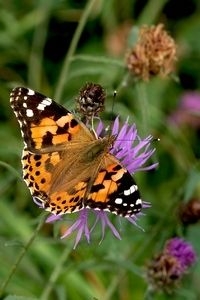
(41, 48)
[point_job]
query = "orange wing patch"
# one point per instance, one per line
(49, 132)
(105, 184)
(37, 173)
(62, 202)
(37, 170)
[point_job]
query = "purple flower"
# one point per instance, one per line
(167, 268)
(133, 153)
(182, 251)
(191, 101)
(188, 110)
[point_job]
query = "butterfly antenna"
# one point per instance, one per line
(113, 101)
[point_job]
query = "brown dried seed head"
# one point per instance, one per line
(189, 213)
(163, 272)
(153, 54)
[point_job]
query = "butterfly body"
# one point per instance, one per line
(65, 166)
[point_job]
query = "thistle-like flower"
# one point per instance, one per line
(153, 54)
(133, 153)
(167, 268)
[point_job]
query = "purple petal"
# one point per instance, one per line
(103, 218)
(132, 220)
(115, 127)
(100, 128)
(81, 225)
(146, 204)
(53, 218)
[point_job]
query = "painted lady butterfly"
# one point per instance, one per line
(65, 166)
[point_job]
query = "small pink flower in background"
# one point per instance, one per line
(188, 111)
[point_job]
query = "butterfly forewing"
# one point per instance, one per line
(43, 122)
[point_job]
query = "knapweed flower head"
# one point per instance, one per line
(153, 54)
(188, 110)
(166, 269)
(189, 213)
(133, 156)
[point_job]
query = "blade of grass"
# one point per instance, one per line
(21, 255)
(72, 48)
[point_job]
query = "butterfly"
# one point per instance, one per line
(65, 165)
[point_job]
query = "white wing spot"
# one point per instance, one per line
(24, 105)
(44, 103)
(30, 92)
(125, 204)
(130, 191)
(139, 201)
(118, 200)
(20, 123)
(29, 113)
(40, 107)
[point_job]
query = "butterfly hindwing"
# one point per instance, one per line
(115, 190)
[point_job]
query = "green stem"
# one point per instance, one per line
(11, 169)
(98, 59)
(149, 294)
(55, 274)
(123, 83)
(21, 255)
(72, 48)
(151, 12)
(36, 54)
(142, 103)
